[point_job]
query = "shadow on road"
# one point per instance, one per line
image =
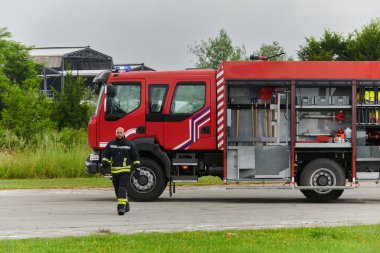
(235, 200)
(273, 200)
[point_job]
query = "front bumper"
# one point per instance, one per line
(93, 163)
(92, 167)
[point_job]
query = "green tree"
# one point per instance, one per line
(364, 44)
(26, 111)
(360, 45)
(212, 52)
(273, 49)
(15, 62)
(23, 108)
(331, 46)
(69, 108)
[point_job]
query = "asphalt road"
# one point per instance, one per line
(50, 213)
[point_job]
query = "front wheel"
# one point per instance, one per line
(151, 183)
(322, 172)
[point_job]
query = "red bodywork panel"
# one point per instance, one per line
(91, 132)
(302, 70)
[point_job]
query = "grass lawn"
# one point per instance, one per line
(328, 239)
(93, 182)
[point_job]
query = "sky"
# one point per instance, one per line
(159, 32)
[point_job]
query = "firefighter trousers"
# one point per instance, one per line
(120, 182)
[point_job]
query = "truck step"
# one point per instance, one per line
(193, 179)
(185, 161)
(284, 187)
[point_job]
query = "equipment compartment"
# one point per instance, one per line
(258, 130)
(368, 130)
(325, 124)
(250, 163)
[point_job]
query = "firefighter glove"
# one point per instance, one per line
(105, 167)
(137, 171)
(105, 163)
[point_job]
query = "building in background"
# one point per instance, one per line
(58, 61)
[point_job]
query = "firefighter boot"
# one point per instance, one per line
(127, 207)
(121, 209)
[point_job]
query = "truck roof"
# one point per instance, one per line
(301, 70)
(162, 74)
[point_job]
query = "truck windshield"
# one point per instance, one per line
(125, 99)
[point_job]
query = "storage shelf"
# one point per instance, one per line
(323, 107)
(367, 175)
(374, 105)
(368, 124)
(323, 145)
(369, 159)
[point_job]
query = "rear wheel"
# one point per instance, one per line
(322, 172)
(150, 184)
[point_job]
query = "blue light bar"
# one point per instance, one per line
(124, 68)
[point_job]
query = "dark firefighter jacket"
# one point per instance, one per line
(121, 155)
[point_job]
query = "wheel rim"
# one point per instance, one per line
(323, 177)
(146, 182)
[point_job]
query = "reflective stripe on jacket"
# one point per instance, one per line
(121, 154)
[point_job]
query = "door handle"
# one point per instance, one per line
(140, 130)
(205, 130)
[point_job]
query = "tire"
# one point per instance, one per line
(322, 172)
(150, 185)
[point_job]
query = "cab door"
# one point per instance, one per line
(187, 122)
(123, 107)
(157, 94)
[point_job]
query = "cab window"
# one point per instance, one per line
(157, 96)
(188, 98)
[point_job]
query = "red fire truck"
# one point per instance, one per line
(313, 126)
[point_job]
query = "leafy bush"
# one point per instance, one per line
(10, 141)
(26, 112)
(68, 109)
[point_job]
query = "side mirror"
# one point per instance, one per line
(102, 77)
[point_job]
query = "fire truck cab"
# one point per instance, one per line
(169, 116)
(312, 126)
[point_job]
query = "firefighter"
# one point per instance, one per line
(123, 157)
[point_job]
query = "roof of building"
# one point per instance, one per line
(51, 57)
(54, 51)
